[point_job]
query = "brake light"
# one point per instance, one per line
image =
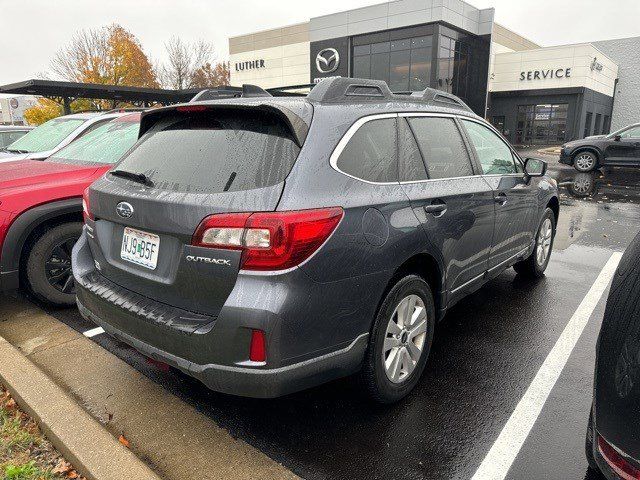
(258, 347)
(86, 208)
(269, 240)
(191, 108)
(617, 462)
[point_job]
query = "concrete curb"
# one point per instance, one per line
(90, 448)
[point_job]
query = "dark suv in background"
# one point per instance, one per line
(264, 245)
(618, 149)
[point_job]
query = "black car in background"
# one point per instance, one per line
(618, 149)
(613, 436)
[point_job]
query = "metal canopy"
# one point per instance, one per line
(72, 90)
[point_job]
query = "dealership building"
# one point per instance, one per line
(533, 94)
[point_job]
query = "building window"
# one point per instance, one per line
(606, 125)
(405, 64)
(596, 127)
(453, 66)
(541, 124)
(587, 124)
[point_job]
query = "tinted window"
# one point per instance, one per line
(441, 146)
(410, 161)
(105, 144)
(47, 136)
(371, 152)
(214, 151)
(494, 155)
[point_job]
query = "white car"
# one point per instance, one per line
(51, 136)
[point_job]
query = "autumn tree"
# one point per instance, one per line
(208, 76)
(188, 64)
(44, 111)
(109, 55)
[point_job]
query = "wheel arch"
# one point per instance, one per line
(595, 150)
(26, 227)
(428, 267)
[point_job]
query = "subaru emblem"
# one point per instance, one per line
(124, 209)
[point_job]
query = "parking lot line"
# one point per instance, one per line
(93, 332)
(504, 451)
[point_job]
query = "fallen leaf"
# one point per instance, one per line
(123, 441)
(72, 474)
(62, 467)
(10, 404)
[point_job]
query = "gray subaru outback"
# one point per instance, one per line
(268, 244)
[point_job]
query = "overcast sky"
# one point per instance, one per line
(31, 31)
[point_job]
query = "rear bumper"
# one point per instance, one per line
(215, 349)
(251, 382)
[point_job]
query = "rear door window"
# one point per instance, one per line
(371, 153)
(411, 165)
(215, 151)
(442, 147)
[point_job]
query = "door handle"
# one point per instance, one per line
(501, 198)
(436, 209)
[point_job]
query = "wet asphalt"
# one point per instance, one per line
(486, 352)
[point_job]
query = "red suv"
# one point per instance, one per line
(41, 209)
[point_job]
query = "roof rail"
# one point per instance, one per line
(438, 97)
(227, 91)
(357, 90)
(342, 90)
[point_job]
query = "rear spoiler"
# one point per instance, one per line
(297, 125)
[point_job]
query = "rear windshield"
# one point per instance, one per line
(47, 136)
(215, 151)
(105, 144)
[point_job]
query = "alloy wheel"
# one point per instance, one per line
(405, 338)
(585, 162)
(57, 267)
(543, 242)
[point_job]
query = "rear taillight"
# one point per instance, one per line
(86, 208)
(617, 462)
(258, 347)
(269, 240)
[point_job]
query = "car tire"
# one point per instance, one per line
(588, 444)
(585, 161)
(48, 266)
(392, 367)
(534, 265)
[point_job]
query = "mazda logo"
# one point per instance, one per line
(124, 209)
(327, 60)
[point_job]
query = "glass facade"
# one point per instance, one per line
(413, 58)
(453, 66)
(405, 64)
(541, 124)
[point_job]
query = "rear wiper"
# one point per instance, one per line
(11, 150)
(136, 177)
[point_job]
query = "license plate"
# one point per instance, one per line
(140, 248)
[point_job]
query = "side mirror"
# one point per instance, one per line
(617, 138)
(534, 167)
